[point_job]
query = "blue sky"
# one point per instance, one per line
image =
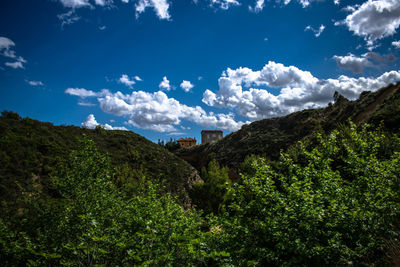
(170, 68)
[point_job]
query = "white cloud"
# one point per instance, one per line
(224, 4)
(160, 7)
(258, 7)
(14, 65)
(318, 32)
(86, 104)
(299, 90)
(75, 3)
(83, 93)
(68, 18)
(125, 1)
(396, 44)
(352, 62)
(103, 2)
(137, 78)
(164, 84)
(91, 123)
(5, 47)
(304, 3)
(102, 28)
(155, 111)
(373, 20)
(126, 81)
(336, 2)
(186, 86)
(19, 64)
(35, 83)
(175, 133)
(357, 64)
(109, 127)
(6, 50)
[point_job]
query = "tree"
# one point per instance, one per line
(210, 194)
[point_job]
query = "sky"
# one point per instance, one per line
(171, 68)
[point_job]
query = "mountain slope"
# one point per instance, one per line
(269, 136)
(31, 150)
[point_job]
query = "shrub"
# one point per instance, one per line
(336, 203)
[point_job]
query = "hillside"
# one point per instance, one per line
(269, 136)
(30, 151)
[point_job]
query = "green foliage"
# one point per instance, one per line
(210, 194)
(30, 150)
(95, 224)
(336, 204)
(172, 145)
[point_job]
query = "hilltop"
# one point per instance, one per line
(31, 151)
(269, 136)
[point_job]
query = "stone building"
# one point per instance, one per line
(187, 142)
(208, 136)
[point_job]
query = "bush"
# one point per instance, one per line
(336, 203)
(210, 194)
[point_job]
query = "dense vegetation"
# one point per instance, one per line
(94, 223)
(30, 150)
(336, 202)
(333, 200)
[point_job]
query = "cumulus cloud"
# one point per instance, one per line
(373, 20)
(5, 47)
(224, 4)
(396, 44)
(352, 62)
(336, 2)
(380, 58)
(357, 64)
(160, 7)
(317, 32)
(164, 84)
(155, 111)
(91, 123)
(258, 7)
(126, 81)
(186, 86)
(299, 90)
